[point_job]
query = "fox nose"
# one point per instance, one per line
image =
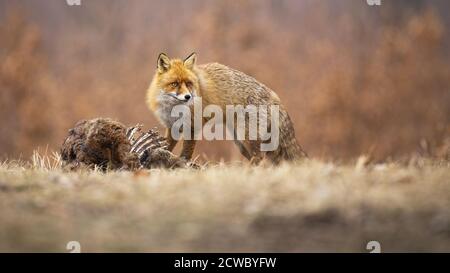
(187, 97)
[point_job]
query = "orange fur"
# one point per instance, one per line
(219, 85)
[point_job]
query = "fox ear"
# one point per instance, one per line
(189, 62)
(163, 63)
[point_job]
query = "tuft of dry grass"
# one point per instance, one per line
(44, 162)
(316, 206)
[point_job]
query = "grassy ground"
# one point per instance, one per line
(315, 206)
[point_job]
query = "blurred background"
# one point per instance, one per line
(356, 79)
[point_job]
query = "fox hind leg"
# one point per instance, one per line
(255, 151)
(242, 149)
(241, 145)
(248, 148)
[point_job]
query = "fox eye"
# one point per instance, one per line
(189, 84)
(174, 84)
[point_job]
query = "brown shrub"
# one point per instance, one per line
(390, 99)
(27, 115)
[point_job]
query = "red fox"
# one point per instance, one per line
(179, 81)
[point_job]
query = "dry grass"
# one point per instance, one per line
(355, 80)
(315, 206)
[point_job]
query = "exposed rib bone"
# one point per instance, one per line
(132, 131)
(150, 146)
(149, 140)
(141, 140)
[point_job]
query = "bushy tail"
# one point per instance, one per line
(288, 148)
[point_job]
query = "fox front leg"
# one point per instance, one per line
(189, 144)
(172, 142)
(188, 149)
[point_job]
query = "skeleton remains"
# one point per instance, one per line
(109, 145)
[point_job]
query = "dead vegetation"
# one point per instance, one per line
(315, 206)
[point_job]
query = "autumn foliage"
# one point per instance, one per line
(355, 79)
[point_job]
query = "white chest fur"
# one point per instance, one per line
(164, 110)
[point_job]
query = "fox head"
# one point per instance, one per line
(176, 78)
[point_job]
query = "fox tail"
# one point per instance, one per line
(288, 147)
